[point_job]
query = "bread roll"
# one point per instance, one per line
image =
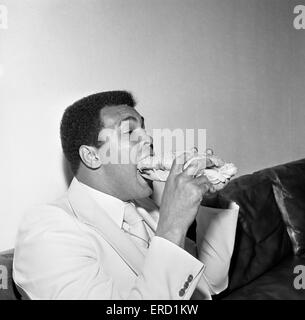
(218, 172)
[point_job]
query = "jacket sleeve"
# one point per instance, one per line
(170, 269)
(54, 259)
(216, 230)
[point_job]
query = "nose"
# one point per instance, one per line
(144, 139)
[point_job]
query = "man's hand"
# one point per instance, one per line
(180, 202)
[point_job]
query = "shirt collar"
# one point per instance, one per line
(113, 206)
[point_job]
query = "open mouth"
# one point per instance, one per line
(153, 174)
(145, 166)
(144, 178)
(145, 173)
(152, 168)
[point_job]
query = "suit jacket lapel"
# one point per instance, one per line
(88, 211)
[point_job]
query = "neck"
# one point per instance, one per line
(98, 181)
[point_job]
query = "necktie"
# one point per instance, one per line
(134, 225)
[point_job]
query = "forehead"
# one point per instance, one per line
(112, 115)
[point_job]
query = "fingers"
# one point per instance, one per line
(204, 184)
(201, 180)
(179, 161)
(191, 169)
(209, 152)
(209, 163)
(216, 161)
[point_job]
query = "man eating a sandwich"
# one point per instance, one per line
(106, 238)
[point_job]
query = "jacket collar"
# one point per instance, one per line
(87, 210)
(113, 206)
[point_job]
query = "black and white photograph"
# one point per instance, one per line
(152, 150)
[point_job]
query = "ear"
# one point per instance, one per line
(90, 157)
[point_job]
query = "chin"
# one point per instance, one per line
(135, 186)
(142, 194)
(144, 188)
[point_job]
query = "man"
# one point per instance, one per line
(84, 245)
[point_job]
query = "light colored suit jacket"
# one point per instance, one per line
(72, 249)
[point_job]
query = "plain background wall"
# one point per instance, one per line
(234, 67)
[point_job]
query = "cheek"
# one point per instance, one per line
(129, 151)
(127, 172)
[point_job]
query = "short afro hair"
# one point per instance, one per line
(81, 123)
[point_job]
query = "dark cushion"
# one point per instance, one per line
(289, 191)
(261, 239)
(6, 262)
(276, 284)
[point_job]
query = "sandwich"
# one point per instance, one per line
(217, 171)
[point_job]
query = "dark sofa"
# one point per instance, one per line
(270, 238)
